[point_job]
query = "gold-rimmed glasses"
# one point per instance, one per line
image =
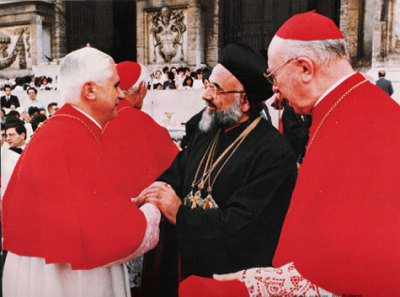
(214, 91)
(269, 75)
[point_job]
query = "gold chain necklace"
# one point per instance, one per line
(195, 200)
(82, 122)
(330, 111)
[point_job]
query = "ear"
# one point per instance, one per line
(142, 88)
(244, 103)
(88, 91)
(307, 68)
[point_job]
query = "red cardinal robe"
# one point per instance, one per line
(60, 205)
(139, 149)
(342, 230)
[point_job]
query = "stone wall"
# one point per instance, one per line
(29, 25)
(380, 25)
(59, 48)
(396, 26)
(177, 33)
(349, 24)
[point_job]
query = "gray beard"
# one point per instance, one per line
(213, 118)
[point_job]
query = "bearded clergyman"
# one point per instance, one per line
(228, 191)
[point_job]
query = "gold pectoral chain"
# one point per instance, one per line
(194, 199)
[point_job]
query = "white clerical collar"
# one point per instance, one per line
(86, 114)
(333, 87)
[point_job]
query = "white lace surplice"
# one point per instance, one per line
(283, 281)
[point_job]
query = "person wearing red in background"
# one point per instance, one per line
(139, 150)
(342, 230)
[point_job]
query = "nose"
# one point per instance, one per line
(207, 95)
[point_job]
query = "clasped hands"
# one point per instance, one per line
(163, 196)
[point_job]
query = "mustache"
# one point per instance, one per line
(209, 103)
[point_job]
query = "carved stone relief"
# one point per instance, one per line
(15, 48)
(167, 36)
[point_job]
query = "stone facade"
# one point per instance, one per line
(30, 26)
(194, 31)
(371, 29)
(177, 32)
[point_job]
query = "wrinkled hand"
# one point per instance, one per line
(164, 197)
(141, 199)
(228, 276)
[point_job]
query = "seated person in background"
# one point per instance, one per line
(198, 81)
(52, 108)
(188, 82)
(37, 121)
(170, 83)
(33, 101)
(15, 137)
(157, 86)
(9, 100)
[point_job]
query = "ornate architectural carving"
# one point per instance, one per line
(18, 50)
(167, 28)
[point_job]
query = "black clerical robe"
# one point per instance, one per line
(252, 191)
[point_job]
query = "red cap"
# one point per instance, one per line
(309, 26)
(129, 73)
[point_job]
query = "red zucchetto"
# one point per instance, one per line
(309, 26)
(129, 73)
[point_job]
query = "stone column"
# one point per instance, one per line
(211, 33)
(396, 26)
(349, 21)
(59, 48)
(37, 46)
(140, 32)
(195, 36)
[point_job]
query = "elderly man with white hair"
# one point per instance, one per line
(138, 147)
(66, 227)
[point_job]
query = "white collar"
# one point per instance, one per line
(21, 147)
(333, 87)
(86, 114)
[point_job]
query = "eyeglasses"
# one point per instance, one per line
(214, 91)
(269, 75)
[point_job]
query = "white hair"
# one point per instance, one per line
(320, 51)
(78, 67)
(144, 74)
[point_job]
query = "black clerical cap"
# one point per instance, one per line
(248, 66)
